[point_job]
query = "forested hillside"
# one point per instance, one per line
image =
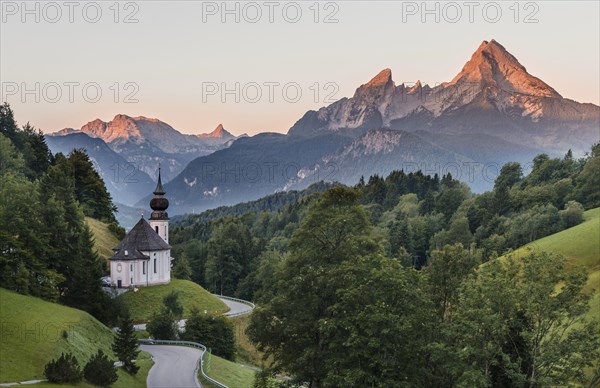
(46, 246)
(383, 283)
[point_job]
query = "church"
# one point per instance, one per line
(143, 258)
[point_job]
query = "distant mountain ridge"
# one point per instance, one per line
(218, 133)
(146, 142)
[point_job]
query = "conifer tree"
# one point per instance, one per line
(125, 345)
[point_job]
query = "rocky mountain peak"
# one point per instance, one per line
(121, 127)
(63, 132)
(492, 65)
(381, 79)
(416, 87)
(218, 133)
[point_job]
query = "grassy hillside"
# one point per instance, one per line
(104, 240)
(246, 352)
(125, 380)
(227, 372)
(149, 299)
(33, 332)
(581, 246)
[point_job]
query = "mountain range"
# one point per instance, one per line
(493, 111)
(127, 151)
(493, 94)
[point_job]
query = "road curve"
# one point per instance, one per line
(235, 308)
(174, 366)
(177, 366)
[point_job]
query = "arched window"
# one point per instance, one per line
(156, 228)
(154, 265)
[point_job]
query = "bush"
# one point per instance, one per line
(100, 370)
(171, 302)
(163, 326)
(573, 214)
(65, 370)
(117, 230)
(213, 332)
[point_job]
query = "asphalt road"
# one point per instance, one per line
(236, 308)
(174, 366)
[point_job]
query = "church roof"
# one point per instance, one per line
(128, 254)
(142, 238)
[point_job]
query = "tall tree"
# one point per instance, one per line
(290, 328)
(90, 190)
(230, 251)
(448, 268)
(125, 345)
(182, 269)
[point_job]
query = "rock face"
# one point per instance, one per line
(492, 66)
(493, 94)
(145, 142)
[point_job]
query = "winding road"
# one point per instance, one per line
(235, 308)
(174, 366)
(177, 366)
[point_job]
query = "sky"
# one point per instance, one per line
(259, 66)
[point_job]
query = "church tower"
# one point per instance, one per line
(159, 219)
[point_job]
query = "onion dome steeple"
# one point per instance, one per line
(159, 204)
(159, 187)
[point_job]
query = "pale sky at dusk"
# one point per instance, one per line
(170, 55)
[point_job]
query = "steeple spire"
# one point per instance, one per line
(159, 203)
(159, 187)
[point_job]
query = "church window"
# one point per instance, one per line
(144, 267)
(156, 228)
(154, 265)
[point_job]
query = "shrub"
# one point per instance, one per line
(163, 325)
(171, 302)
(64, 370)
(573, 214)
(213, 332)
(117, 230)
(100, 370)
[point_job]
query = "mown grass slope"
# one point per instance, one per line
(35, 331)
(581, 246)
(104, 239)
(227, 372)
(147, 300)
(125, 380)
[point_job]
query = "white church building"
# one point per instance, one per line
(143, 258)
